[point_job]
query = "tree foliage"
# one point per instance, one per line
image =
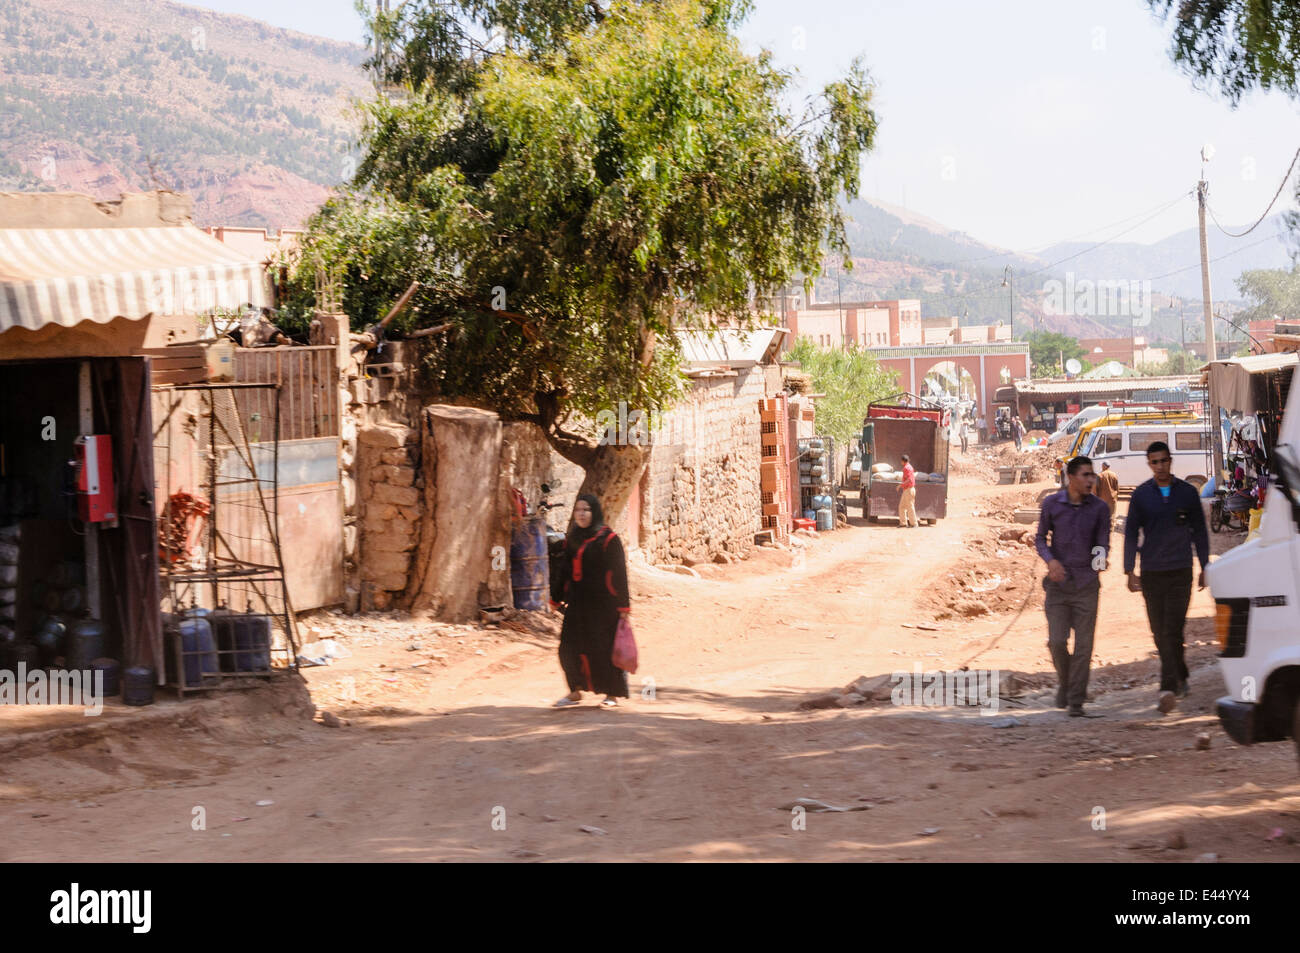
(1269, 292)
(1236, 45)
(850, 377)
(571, 183)
(1046, 348)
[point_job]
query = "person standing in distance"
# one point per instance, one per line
(1167, 512)
(907, 499)
(1079, 526)
(1108, 489)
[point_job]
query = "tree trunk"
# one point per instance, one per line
(611, 478)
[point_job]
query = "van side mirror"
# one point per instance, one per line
(1287, 479)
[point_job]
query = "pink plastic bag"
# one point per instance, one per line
(624, 656)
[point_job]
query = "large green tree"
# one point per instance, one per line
(849, 377)
(1046, 350)
(573, 183)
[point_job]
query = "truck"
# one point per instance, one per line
(904, 423)
(1256, 590)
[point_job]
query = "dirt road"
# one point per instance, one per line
(451, 753)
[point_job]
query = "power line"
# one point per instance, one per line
(1286, 178)
(1099, 228)
(972, 296)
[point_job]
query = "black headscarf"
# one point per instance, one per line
(578, 535)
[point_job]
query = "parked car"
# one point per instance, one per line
(1124, 447)
(1256, 589)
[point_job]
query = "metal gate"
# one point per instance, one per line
(310, 521)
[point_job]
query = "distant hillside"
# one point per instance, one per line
(899, 254)
(102, 96)
(1181, 253)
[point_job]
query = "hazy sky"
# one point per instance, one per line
(1021, 122)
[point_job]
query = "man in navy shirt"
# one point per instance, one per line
(1079, 525)
(1168, 513)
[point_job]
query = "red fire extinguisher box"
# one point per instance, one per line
(95, 494)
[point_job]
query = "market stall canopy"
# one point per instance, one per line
(65, 274)
(1231, 380)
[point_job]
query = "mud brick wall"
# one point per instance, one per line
(701, 488)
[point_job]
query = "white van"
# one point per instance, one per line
(1256, 589)
(1096, 412)
(1124, 447)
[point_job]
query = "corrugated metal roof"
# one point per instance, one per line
(1263, 363)
(1118, 385)
(730, 347)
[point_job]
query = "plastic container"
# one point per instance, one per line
(199, 650)
(825, 520)
(220, 358)
(222, 621)
(810, 516)
(137, 686)
(252, 641)
(530, 576)
(112, 675)
(49, 638)
(85, 643)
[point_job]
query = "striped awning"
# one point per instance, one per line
(68, 275)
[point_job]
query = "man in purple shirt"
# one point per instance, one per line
(1079, 525)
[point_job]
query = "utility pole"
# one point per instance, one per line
(1201, 188)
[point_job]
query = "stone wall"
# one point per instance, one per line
(700, 493)
(390, 513)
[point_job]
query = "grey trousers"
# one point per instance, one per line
(1071, 607)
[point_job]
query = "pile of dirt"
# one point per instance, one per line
(999, 571)
(983, 462)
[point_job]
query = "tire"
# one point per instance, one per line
(1216, 517)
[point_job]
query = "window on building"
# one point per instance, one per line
(1189, 441)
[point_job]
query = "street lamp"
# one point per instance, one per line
(1008, 281)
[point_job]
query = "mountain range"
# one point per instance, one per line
(106, 96)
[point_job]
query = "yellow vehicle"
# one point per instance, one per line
(1149, 413)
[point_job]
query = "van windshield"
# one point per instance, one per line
(1088, 441)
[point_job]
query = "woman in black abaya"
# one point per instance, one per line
(592, 584)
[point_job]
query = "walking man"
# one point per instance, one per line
(1078, 524)
(1017, 430)
(1167, 512)
(907, 499)
(982, 427)
(1108, 489)
(963, 432)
